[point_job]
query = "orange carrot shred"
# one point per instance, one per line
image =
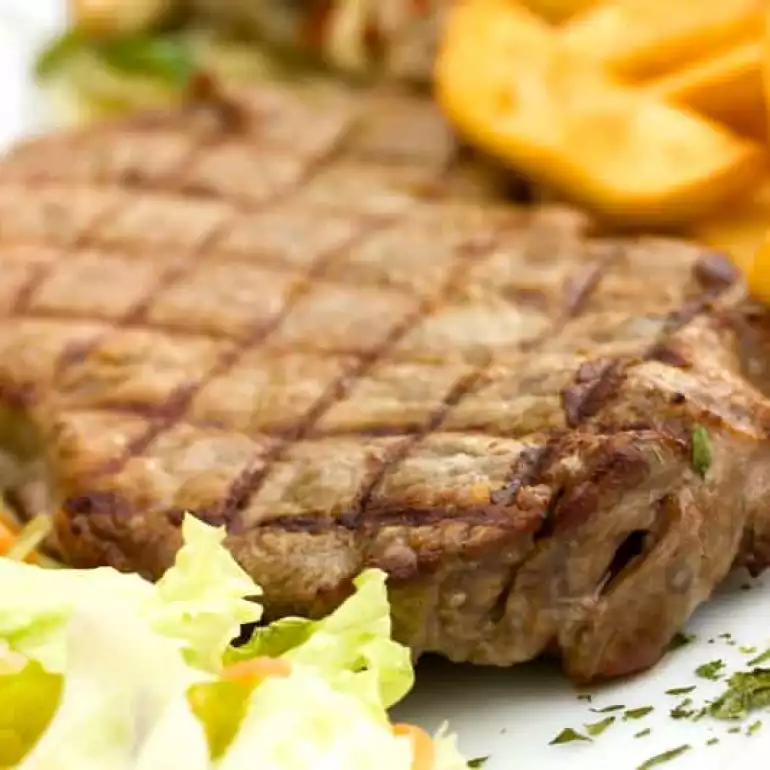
(423, 749)
(7, 539)
(254, 671)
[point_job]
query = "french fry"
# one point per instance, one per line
(507, 81)
(557, 11)
(638, 39)
(726, 89)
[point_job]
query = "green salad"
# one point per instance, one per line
(101, 670)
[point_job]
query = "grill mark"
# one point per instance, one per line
(600, 386)
(27, 292)
(411, 517)
(74, 354)
(177, 407)
(583, 285)
(348, 380)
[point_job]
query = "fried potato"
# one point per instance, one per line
(741, 229)
(557, 11)
(638, 39)
(509, 83)
(726, 88)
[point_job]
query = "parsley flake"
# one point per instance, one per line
(666, 756)
(760, 659)
(711, 670)
(701, 451)
(639, 713)
(746, 692)
(597, 728)
(754, 727)
(680, 640)
(747, 649)
(567, 735)
(682, 711)
(712, 741)
(478, 762)
(609, 709)
(680, 690)
(643, 733)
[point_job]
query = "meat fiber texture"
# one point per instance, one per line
(294, 317)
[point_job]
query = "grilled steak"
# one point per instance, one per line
(270, 313)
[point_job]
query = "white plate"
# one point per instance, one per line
(508, 715)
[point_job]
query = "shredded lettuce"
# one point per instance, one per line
(105, 671)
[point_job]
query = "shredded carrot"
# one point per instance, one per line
(254, 671)
(423, 750)
(7, 539)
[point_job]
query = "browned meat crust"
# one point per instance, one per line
(274, 316)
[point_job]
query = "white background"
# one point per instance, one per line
(510, 715)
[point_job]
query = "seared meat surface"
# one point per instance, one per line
(281, 316)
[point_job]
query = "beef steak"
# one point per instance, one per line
(281, 315)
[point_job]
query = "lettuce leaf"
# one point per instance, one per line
(352, 647)
(200, 602)
(304, 723)
(123, 684)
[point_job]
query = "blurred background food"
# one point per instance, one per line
(649, 113)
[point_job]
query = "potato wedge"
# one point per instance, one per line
(741, 229)
(726, 88)
(557, 11)
(638, 39)
(509, 85)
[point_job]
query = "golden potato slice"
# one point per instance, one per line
(506, 81)
(726, 88)
(741, 229)
(643, 38)
(557, 11)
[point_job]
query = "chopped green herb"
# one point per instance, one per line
(477, 762)
(682, 711)
(666, 756)
(754, 727)
(637, 713)
(608, 709)
(585, 696)
(746, 692)
(643, 733)
(681, 690)
(701, 451)
(161, 57)
(712, 741)
(734, 730)
(747, 649)
(760, 659)
(746, 586)
(567, 735)
(56, 53)
(725, 636)
(597, 728)
(711, 670)
(680, 640)
(157, 56)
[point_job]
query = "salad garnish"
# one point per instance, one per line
(101, 670)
